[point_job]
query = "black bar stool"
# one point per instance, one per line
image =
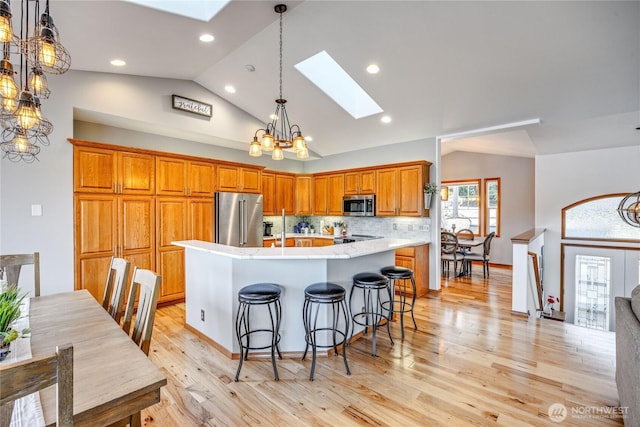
(372, 312)
(254, 295)
(315, 297)
(399, 276)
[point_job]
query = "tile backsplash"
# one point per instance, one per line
(400, 227)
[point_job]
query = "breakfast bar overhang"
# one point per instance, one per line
(215, 273)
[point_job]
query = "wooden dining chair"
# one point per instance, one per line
(23, 378)
(11, 265)
(148, 283)
(115, 288)
(449, 252)
(469, 257)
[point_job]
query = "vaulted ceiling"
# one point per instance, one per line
(445, 67)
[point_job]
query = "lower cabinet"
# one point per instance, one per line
(417, 259)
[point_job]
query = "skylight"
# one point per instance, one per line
(332, 79)
(202, 10)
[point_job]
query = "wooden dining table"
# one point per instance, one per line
(112, 377)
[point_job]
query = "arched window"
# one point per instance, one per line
(596, 218)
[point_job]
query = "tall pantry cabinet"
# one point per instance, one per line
(132, 204)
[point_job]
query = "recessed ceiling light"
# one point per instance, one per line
(230, 89)
(206, 38)
(272, 116)
(385, 119)
(118, 63)
(308, 138)
(373, 69)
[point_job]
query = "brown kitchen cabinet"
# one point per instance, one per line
(399, 190)
(417, 259)
(360, 182)
(98, 170)
(242, 179)
(278, 192)
(179, 177)
(328, 191)
(302, 194)
(111, 225)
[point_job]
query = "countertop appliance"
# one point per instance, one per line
(360, 205)
(268, 226)
(239, 219)
(354, 238)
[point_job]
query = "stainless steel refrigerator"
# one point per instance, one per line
(239, 219)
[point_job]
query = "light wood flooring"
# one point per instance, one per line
(471, 362)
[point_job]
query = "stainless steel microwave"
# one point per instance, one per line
(361, 205)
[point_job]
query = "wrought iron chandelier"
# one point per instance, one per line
(37, 50)
(629, 209)
(279, 134)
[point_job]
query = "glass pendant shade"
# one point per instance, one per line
(298, 143)
(255, 149)
(303, 154)
(27, 114)
(277, 153)
(267, 142)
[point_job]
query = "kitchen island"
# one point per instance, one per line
(215, 273)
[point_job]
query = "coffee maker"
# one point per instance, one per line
(267, 226)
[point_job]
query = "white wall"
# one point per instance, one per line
(517, 201)
(562, 179)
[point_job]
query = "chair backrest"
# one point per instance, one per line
(114, 290)
(26, 377)
(487, 243)
(149, 284)
(465, 233)
(448, 243)
(456, 222)
(12, 264)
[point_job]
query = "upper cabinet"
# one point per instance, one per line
(278, 193)
(303, 195)
(178, 177)
(360, 182)
(399, 190)
(328, 191)
(98, 170)
(239, 179)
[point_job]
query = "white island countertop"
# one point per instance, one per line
(341, 251)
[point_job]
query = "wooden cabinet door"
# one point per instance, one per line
(201, 222)
(137, 226)
(171, 176)
(386, 192)
(201, 178)
(352, 183)
(302, 195)
(322, 242)
(228, 178)
(136, 173)
(251, 182)
(320, 194)
(335, 194)
(172, 225)
(94, 170)
(367, 182)
(268, 193)
(410, 191)
(96, 240)
(284, 194)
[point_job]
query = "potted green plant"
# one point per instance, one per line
(429, 190)
(10, 301)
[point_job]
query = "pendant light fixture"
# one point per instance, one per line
(629, 209)
(36, 50)
(279, 134)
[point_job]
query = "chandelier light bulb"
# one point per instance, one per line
(277, 153)
(47, 53)
(267, 142)
(21, 143)
(28, 114)
(254, 149)
(38, 83)
(8, 88)
(6, 31)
